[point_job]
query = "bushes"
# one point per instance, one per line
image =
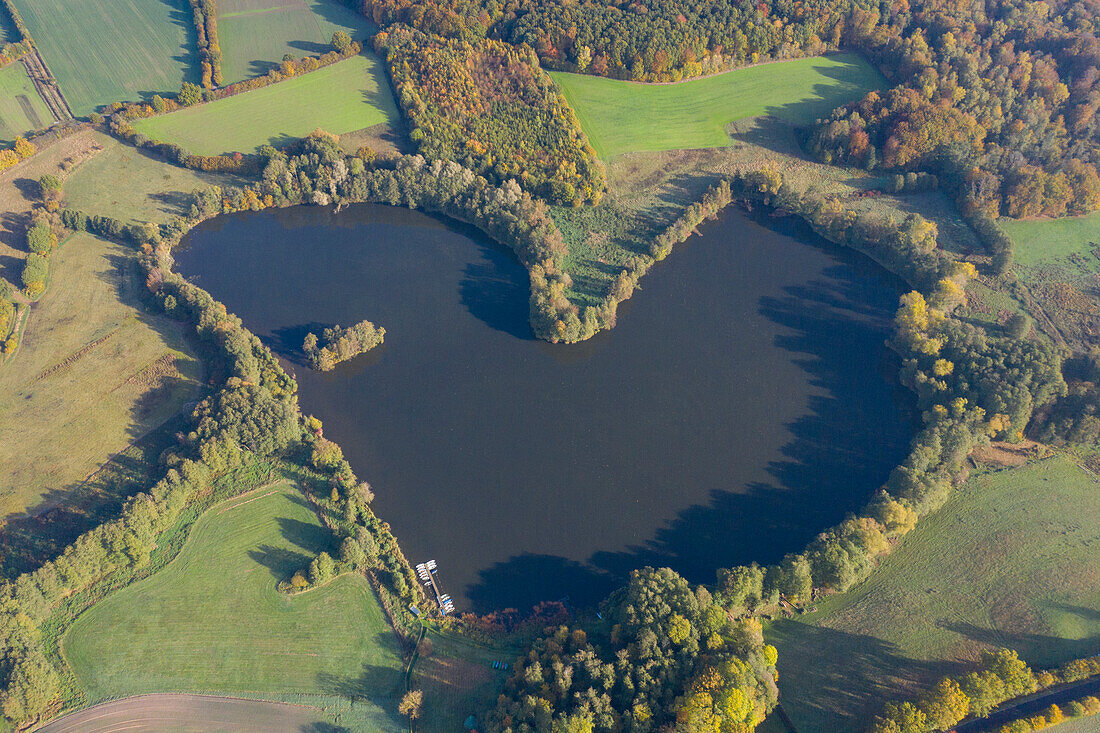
(340, 344)
(40, 238)
(35, 272)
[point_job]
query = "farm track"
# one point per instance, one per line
(47, 86)
(183, 713)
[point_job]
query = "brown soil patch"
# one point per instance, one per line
(999, 453)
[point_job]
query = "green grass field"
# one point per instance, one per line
(1039, 241)
(622, 116)
(1012, 560)
(21, 109)
(347, 96)
(212, 620)
(95, 372)
(142, 186)
(255, 34)
(104, 51)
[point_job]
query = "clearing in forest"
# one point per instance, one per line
(212, 619)
(94, 373)
(1012, 560)
(347, 96)
(1038, 241)
(22, 110)
(255, 34)
(623, 116)
(104, 51)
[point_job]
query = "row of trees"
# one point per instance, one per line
(659, 40)
(1001, 676)
(205, 15)
(491, 107)
(8, 315)
(340, 344)
(667, 658)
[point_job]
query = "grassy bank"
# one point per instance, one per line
(105, 51)
(623, 116)
(212, 619)
(1011, 561)
(94, 373)
(344, 97)
(143, 187)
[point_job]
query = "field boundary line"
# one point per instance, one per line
(223, 510)
(78, 354)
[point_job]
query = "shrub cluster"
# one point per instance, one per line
(912, 182)
(1075, 418)
(668, 659)
(340, 344)
(205, 15)
(491, 107)
(19, 151)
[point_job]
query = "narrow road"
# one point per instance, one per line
(175, 713)
(1033, 704)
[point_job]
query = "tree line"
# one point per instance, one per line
(205, 16)
(339, 344)
(667, 657)
(1001, 676)
(490, 107)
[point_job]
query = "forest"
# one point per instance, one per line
(998, 99)
(491, 107)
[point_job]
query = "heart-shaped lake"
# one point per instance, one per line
(744, 402)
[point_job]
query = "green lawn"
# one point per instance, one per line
(105, 51)
(142, 186)
(1012, 560)
(347, 96)
(1039, 241)
(21, 108)
(623, 116)
(213, 621)
(255, 34)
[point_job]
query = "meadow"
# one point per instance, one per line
(255, 34)
(996, 567)
(212, 620)
(94, 373)
(104, 51)
(1037, 241)
(22, 110)
(623, 116)
(143, 187)
(347, 96)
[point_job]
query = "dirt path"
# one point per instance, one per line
(179, 713)
(47, 86)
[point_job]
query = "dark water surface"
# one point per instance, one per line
(743, 403)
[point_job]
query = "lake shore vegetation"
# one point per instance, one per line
(337, 344)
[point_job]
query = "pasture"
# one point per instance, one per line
(1039, 241)
(212, 620)
(104, 51)
(143, 187)
(22, 110)
(623, 116)
(255, 34)
(347, 96)
(1012, 560)
(94, 373)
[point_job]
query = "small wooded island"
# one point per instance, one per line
(339, 344)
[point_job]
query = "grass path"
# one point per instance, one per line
(212, 620)
(622, 116)
(344, 97)
(1012, 560)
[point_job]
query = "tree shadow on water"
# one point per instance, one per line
(495, 292)
(852, 433)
